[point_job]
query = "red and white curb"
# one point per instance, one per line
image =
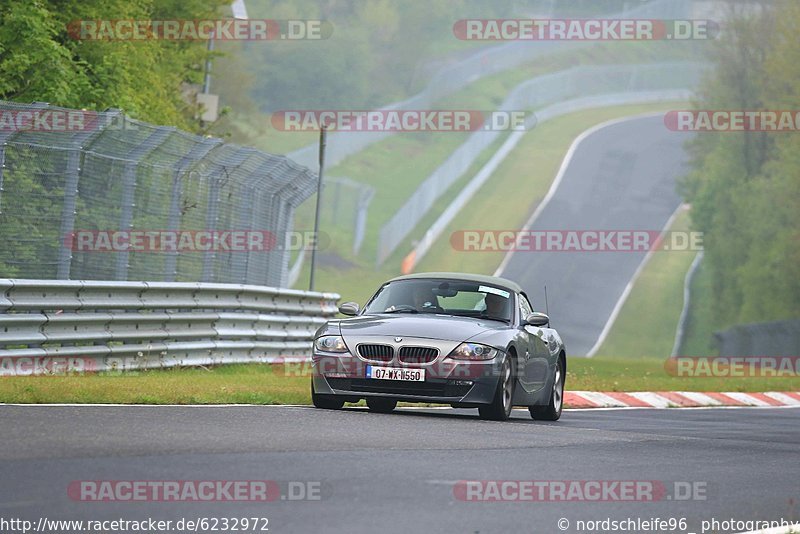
(677, 399)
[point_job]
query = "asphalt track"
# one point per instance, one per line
(396, 472)
(620, 177)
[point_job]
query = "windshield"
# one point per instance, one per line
(460, 298)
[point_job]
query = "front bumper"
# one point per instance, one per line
(447, 381)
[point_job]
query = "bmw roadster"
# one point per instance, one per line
(470, 341)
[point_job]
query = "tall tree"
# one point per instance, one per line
(745, 186)
(40, 60)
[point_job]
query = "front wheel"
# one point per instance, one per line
(326, 402)
(381, 405)
(552, 412)
(500, 408)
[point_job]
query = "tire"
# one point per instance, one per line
(500, 408)
(552, 411)
(381, 405)
(326, 402)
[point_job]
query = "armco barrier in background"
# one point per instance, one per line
(486, 61)
(63, 170)
(433, 233)
(550, 95)
(55, 326)
(776, 338)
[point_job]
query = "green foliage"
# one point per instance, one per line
(26, 238)
(41, 61)
(745, 186)
(379, 52)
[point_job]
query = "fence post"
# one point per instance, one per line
(129, 194)
(196, 154)
(72, 175)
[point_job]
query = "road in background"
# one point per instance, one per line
(620, 177)
(396, 472)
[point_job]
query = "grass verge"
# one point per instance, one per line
(397, 165)
(525, 176)
(529, 169)
(647, 322)
(269, 384)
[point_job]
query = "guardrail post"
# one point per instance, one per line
(2, 170)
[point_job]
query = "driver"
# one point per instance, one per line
(423, 298)
(496, 306)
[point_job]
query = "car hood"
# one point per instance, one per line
(431, 326)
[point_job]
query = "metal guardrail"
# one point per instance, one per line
(683, 321)
(485, 61)
(610, 81)
(775, 338)
(111, 175)
(436, 229)
(55, 326)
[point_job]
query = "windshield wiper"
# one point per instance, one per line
(403, 310)
(494, 318)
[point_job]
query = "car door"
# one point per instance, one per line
(536, 360)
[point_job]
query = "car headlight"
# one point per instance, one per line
(473, 351)
(330, 344)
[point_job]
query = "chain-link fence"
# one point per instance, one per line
(98, 196)
(346, 206)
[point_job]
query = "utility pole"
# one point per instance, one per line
(322, 141)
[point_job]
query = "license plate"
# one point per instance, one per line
(393, 373)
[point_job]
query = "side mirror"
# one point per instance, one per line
(349, 308)
(537, 319)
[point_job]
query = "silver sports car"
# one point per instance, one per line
(467, 340)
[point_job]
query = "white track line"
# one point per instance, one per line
(618, 406)
(562, 171)
(629, 287)
(789, 529)
(400, 408)
(118, 405)
(551, 193)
